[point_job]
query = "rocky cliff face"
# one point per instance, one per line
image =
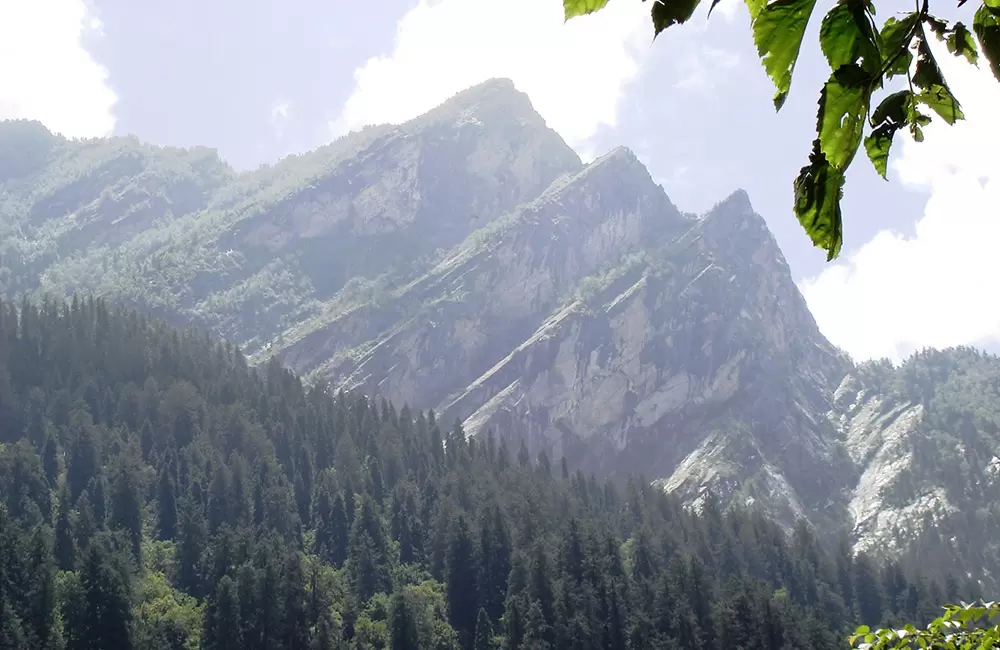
(468, 262)
(926, 439)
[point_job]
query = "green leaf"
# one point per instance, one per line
(986, 24)
(937, 25)
(671, 12)
(936, 94)
(818, 190)
(890, 116)
(895, 37)
(961, 43)
(941, 101)
(927, 72)
(755, 7)
(843, 106)
(877, 146)
(778, 31)
(574, 8)
(893, 108)
(848, 33)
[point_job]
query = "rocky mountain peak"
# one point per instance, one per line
(733, 224)
(494, 103)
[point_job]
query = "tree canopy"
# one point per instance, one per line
(865, 61)
(222, 506)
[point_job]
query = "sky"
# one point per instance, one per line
(260, 79)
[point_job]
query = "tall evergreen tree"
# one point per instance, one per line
(65, 543)
(107, 601)
(403, 633)
(191, 546)
(495, 564)
(368, 562)
(536, 631)
(50, 460)
(484, 632)
(38, 619)
(463, 597)
(126, 507)
(222, 618)
(166, 505)
(84, 456)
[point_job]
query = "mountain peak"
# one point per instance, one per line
(738, 200)
(735, 218)
(493, 99)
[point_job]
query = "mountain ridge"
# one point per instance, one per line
(468, 262)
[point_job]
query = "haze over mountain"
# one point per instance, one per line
(468, 262)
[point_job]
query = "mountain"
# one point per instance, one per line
(468, 262)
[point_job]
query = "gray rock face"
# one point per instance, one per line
(467, 261)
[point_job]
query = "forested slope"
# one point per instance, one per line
(157, 493)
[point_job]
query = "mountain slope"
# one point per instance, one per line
(263, 251)
(468, 262)
(927, 435)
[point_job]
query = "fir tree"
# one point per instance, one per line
(463, 597)
(166, 505)
(222, 618)
(65, 543)
(484, 632)
(403, 634)
(107, 601)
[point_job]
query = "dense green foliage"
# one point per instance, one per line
(157, 493)
(961, 627)
(864, 59)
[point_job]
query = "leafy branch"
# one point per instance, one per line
(863, 59)
(962, 627)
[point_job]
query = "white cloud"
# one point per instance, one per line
(574, 72)
(45, 72)
(279, 112)
(937, 288)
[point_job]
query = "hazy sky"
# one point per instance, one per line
(258, 79)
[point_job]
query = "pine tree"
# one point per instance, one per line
(40, 595)
(97, 492)
(166, 505)
(11, 635)
(85, 523)
(365, 571)
(484, 632)
(84, 457)
(106, 600)
(403, 633)
(219, 508)
(331, 527)
(50, 460)
(126, 507)
(867, 591)
(295, 628)
(193, 535)
(368, 562)
(463, 599)
(326, 637)
(536, 630)
(222, 618)
(65, 543)
(495, 564)
(513, 624)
